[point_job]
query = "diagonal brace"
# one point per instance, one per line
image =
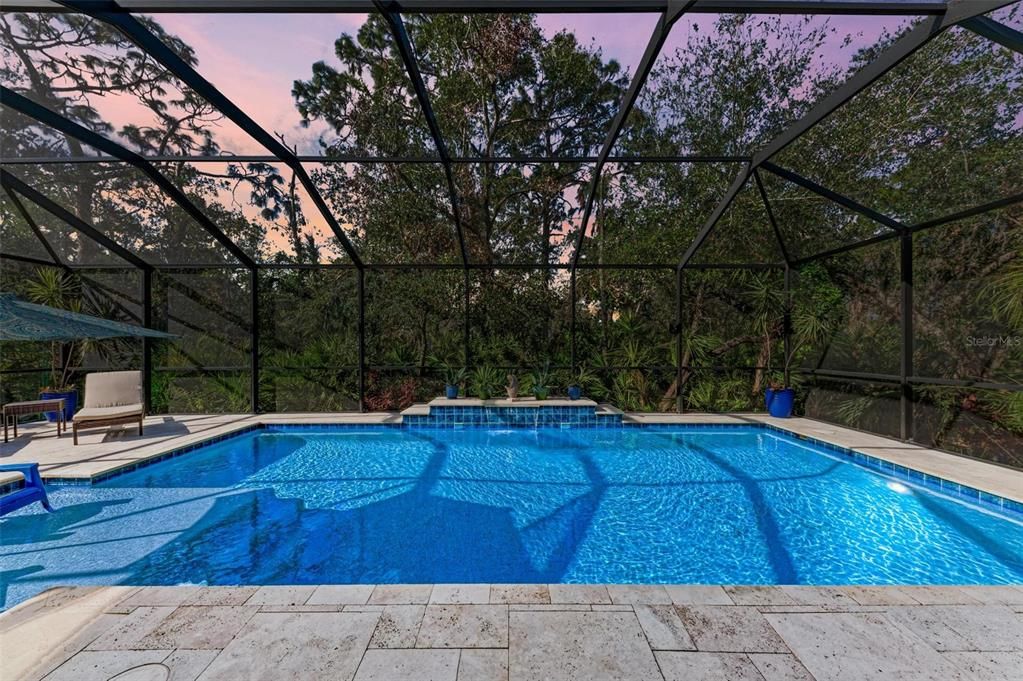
(835, 197)
(675, 9)
(391, 13)
(112, 14)
(93, 139)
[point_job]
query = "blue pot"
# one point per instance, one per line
(574, 392)
(70, 398)
(451, 392)
(779, 403)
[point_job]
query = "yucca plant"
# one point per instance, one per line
(540, 381)
(486, 381)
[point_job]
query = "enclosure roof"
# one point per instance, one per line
(934, 18)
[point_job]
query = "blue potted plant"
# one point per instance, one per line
(808, 328)
(583, 377)
(453, 378)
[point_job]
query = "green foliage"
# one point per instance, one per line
(485, 382)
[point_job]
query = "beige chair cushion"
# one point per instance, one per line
(113, 389)
(104, 413)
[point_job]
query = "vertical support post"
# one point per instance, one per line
(361, 287)
(906, 365)
(787, 324)
(571, 294)
(466, 352)
(147, 343)
(254, 368)
(678, 340)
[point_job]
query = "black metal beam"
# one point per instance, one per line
(13, 183)
(737, 184)
(955, 11)
(668, 17)
(29, 260)
(919, 227)
(834, 197)
(389, 10)
(147, 343)
(27, 217)
(54, 120)
(254, 363)
(774, 223)
(906, 340)
(114, 15)
(370, 160)
(993, 30)
(869, 7)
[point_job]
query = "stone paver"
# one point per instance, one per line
(202, 627)
(759, 595)
(780, 667)
(464, 626)
(638, 594)
(453, 594)
(281, 595)
(735, 628)
(343, 594)
(697, 594)
(578, 593)
(663, 628)
(398, 626)
(408, 665)
(860, 647)
(161, 595)
(222, 595)
(537, 594)
(482, 664)
(407, 594)
(792, 634)
(707, 667)
(989, 666)
(962, 628)
(564, 646)
(275, 646)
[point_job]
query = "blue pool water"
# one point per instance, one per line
(387, 505)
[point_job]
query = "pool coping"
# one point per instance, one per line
(994, 500)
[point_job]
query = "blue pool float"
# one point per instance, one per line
(32, 491)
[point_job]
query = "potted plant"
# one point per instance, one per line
(540, 380)
(809, 327)
(485, 382)
(582, 378)
(453, 373)
(56, 289)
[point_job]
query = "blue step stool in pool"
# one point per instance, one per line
(32, 491)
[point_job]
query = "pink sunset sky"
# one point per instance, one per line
(255, 58)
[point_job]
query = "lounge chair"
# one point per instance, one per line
(111, 398)
(32, 491)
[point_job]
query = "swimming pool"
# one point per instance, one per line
(396, 505)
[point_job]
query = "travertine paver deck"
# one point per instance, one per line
(311, 633)
(103, 451)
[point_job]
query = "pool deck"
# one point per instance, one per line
(104, 451)
(483, 632)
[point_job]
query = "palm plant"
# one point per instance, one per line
(486, 381)
(540, 381)
(59, 290)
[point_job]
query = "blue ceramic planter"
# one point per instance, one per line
(574, 392)
(451, 392)
(70, 398)
(779, 403)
